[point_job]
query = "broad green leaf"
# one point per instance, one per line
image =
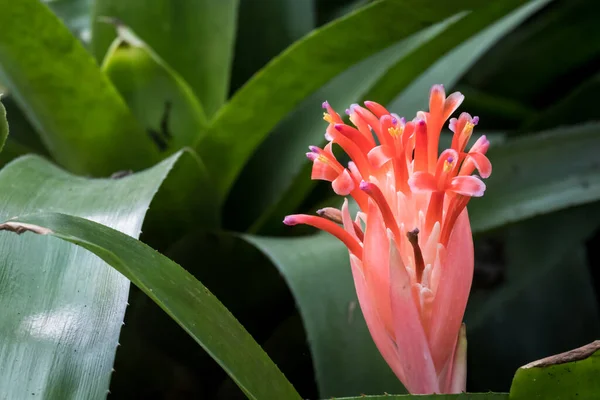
(545, 303)
(3, 126)
(177, 292)
(158, 97)
(286, 146)
(494, 22)
(196, 38)
(21, 130)
(576, 107)
(462, 396)
(185, 202)
(523, 66)
(539, 174)
(83, 121)
(307, 65)
(317, 271)
(569, 375)
(62, 308)
(75, 14)
(173, 362)
(264, 29)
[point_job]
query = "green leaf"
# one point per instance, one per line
(178, 293)
(317, 271)
(63, 309)
(523, 67)
(576, 107)
(531, 176)
(545, 304)
(83, 121)
(304, 67)
(265, 28)
(462, 396)
(75, 14)
(3, 126)
(196, 38)
(573, 374)
(159, 98)
(494, 22)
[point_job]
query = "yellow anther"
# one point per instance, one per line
(323, 159)
(394, 132)
(448, 165)
(327, 118)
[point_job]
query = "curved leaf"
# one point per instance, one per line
(476, 34)
(573, 374)
(195, 38)
(539, 174)
(62, 309)
(158, 97)
(178, 293)
(83, 121)
(242, 124)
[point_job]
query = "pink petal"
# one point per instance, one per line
(481, 145)
(437, 95)
(420, 376)
(467, 186)
(452, 292)
(422, 182)
(343, 184)
(452, 103)
(483, 164)
(322, 170)
(376, 108)
(380, 336)
(376, 262)
(380, 155)
(458, 379)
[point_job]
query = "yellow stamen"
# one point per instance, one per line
(323, 159)
(448, 166)
(327, 118)
(395, 132)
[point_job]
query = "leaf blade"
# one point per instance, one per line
(179, 294)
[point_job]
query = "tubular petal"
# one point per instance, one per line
(376, 262)
(376, 109)
(327, 226)
(481, 162)
(380, 155)
(467, 186)
(417, 363)
(452, 292)
(380, 336)
(452, 103)
(422, 182)
(343, 184)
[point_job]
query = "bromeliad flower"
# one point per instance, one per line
(411, 248)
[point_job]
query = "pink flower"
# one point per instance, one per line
(410, 246)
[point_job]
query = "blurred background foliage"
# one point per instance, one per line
(239, 85)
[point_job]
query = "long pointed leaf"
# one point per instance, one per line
(63, 309)
(256, 108)
(177, 292)
(83, 121)
(196, 38)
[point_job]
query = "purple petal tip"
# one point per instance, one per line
(364, 185)
(312, 156)
(394, 121)
(475, 120)
(289, 220)
(338, 127)
(348, 112)
(314, 149)
(325, 104)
